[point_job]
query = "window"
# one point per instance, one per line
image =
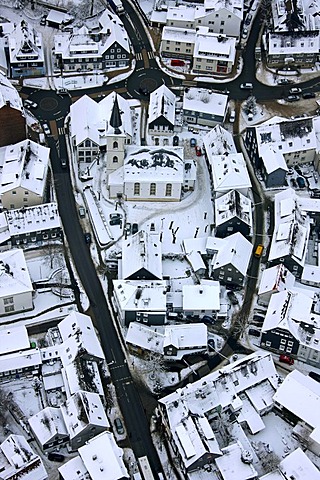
(153, 188)
(8, 300)
(115, 159)
(168, 189)
(14, 192)
(115, 145)
(9, 308)
(268, 344)
(136, 189)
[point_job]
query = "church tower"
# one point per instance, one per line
(116, 139)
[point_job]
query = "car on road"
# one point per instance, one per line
(82, 212)
(246, 86)
(244, 33)
(232, 297)
(308, 95)
(295, 90)
(292, 98)
(29, 104)
(46, 129)
(144, 91)
(56, 456)
(135, 228)
(301, 183)
(175, 141)
(208, 319)
(193, 142)
(119, 426)
(254, 332)
(198, 151)
(87, 238)
(284, 81)
(211, 344)
(232, 116)
(258, 251)
(63, 162)
(286, 359)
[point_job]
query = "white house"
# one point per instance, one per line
(213, 53)
(24, 175)
(273, 280)
(200, 300)
(204, 107)
(161, 111)
(142, 257)
(218, 142)
(13, 339)
(49, 429)
(229, 172)
(15, 283)
(82, 374)
(149, 174)
(99, 458)
(220, 17)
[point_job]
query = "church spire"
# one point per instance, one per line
(115, 119)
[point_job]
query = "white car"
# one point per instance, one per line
(244, 33)
(246, 86)
(46, 129)
(232, 116)
(30, 104)
(295, 90)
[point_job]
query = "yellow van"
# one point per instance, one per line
(258, 251)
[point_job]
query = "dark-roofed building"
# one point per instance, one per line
(233, 213)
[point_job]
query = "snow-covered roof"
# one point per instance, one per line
(186, 337)
(291, 229)
(74, 469)
(214, 46)
(235, 250)
(298, 466)
(82, 374)
(23, 462)
(205, 101)
(311, 273)
(233, 204)
(91, 120)
(229, 172)
(20, 360)
(47, 424)
(31, 219)
(9, 94)
(139, 295)
(57, 17)
(219, 142)
(201, 297)
(276, 279)
(176, 34)
(25, 166)
(180, 12)
(25, 44)
(142, 251)
(272, 159)
(148, 338)
(159, 164)
(14, 275)
(231, 464)
(162, 104)
(280, 43)
(13, 338)
(83, 409)
(233, 6)
(197, 244)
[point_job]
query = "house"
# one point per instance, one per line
(291, 233)
(220, 17)
(273, 167)
(161, 111)
(25, 52)
(12, 118)
(172, 342)
(142, 301)
(100, 454)
(230, 262)
(201, 300)
(13, 339)
(149, 174)
(233, 213)
(24, 176)
(49, 429)
(213, 53)
(142, 257)
(177, 43)
(294, 462)
(242, 390)
(84, 50)
(19, 460)
(79, 339)
(57, 19)
(100, 127)
(229, 172)
(293, 395)
(295, 139)
(299, 49)
(20, 363)
(273, 280)
(311, 273)
(16, 286)
(82, 374)
(218, 142)
(6, 28)
(232, 465)
(33, 224)
(84, 418)
(204, 107)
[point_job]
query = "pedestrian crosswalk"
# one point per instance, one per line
(61, 130)
(139, 55)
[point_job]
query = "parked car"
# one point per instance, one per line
(308, 95)
(46, 129)
(232, 116)
(233, 298)
(119, 426)
(135, 228)
(250, 117)
(211, 344)
(63, 162)
(292, 98)
(87, 238)
(43, 20)
(248, 19)
(193, 142)
(115, 221)
(175, 141)
(176, 62)
(246, 86)
(115, 215)
(295, 90)
(82, 212)
(258, 251)
(254, 332)
(244, 33)
(208, 319)
(314, 375)
(56, 456)
(293, 182)
(286, 359)
(198, 151)
(29, 104)
(301, 183)
(127, 228)
(284, 81)
(62, 91)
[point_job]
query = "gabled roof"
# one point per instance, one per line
(205, 101)
(25, 44)
(201, 297)
(142, 251)
(31, 219)
(229, 172)
(233, 205)
(23, 462)
(276, 279)
(9, 94)
(236, 250)
(219, 142)
(162, 104)
(14, 275)
(273, 160)
(139, 295)
(47, 424)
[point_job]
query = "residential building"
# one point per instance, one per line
(12, 118)
(233, 213)
(161, 111)
(142, 301)
(101, 456)
(222, 18)
(299, 48)
(19, 460)
(151, 174)
(83, 50)
(201, 300)
(16, 285)
(177, 43)
(273, 280)
(13, 339)
(218, 142)
(24, 176)
(84, 418)
(213, 53)
(141, 257)
(49, 429)
(82, 374)
(33, 224)
(229, 172)
(293, 462)
(230, 261)
(204, 107)
(21, 363)
(25, 52)
(172, 342)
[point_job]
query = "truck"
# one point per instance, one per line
(258, 251)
